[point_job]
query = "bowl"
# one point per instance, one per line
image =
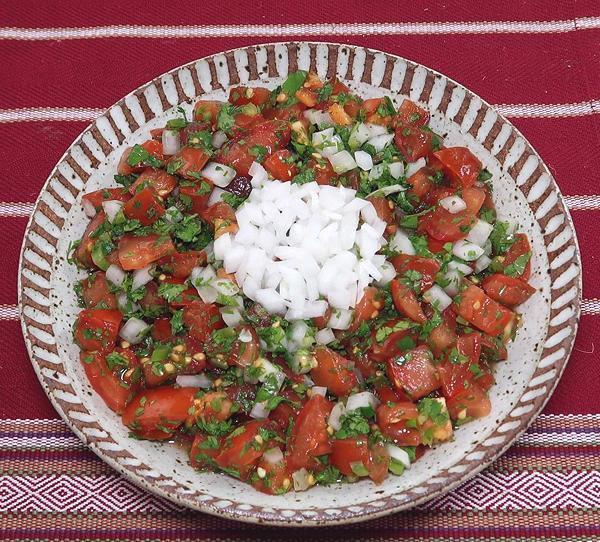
(523, 190)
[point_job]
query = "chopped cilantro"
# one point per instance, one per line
(386, 108)
(139, 155)
(353, 424)
(305, 176)
(177, 322)
(170, 291)
(115, 360)
(517, 268)
(500, 237)
(259, 152)
(293, 83)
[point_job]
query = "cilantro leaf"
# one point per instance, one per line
(139, 155)
(170, 291)
(293, 82)
(517, 268)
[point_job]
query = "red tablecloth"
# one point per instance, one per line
(62, 63)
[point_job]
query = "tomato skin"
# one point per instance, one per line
(413, 142)
(389, 347)
(158, 179)
(309, 436)
(105, 194)
(200, 454)
(138, 252)
(249, 95)
(480, 310)
(180, 264)
(367, 307)
(277, 479)
(238, 452)
(144, 207)
(414, 373)
(509, 291)
(97, 329)
(273, 135)
(152, 146)
(198, 196)
(202, 319)
(441, 338)
(385, 211)
(155, 414)
(392, 419)
(279, 165)
(83, 253)
(192, 161)
(410, 114)
(428, 267)
(244, 353)
(406, 302)
(333, 372)
(420, 183)
(96, 292)
(324, 173)
(519, 247)
(115, 393)
(206, 111)
(346, 451)
(474, 400)
(460, 165)
(161, 330)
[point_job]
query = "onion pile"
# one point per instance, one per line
(302, 247)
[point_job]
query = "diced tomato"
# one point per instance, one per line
(152, 302)
(105, 194)
(161, 330)
(206, 111)
(243, 353)
(222, 217)
(198, 195)
(367, 308)
(309, 437)
(460, 165)
(434, 245)
(420, 183)
(202, 319)
(153, 147)
(114, 391)
(190, 161)
(474, 198)
(276, 480)
(210, 407)
(348, 451)
(480, 310)
(144, 207)
(249, 95)
(158, 179)
(414, 372)
(441, 338)
(413, 142)
(272, 135)
(333, 372)
(471, 403)
(406, 302)
(385, 211)
(392, 420)
(444, 226)
(83, 253)
(240, 450)
(287, 410)
(180, 264)
(188, 296)
(410, 114)
(520, 247)
(291, 113)
(394, 344)
(138, 252)
(339, 115)
(203, 452)
(307, 97)
(321, 321)
(281, 165)
(155, 414)
(97, 329)
(96, 293)
(427, 267)
(379, 462)
(324, 173)
(509, 291)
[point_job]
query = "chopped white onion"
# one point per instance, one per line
(268, 369)
(88, 208)
(335, 416)
(231, 316)
(413, 167)
(325, 336)
(396, 169)
(462, 267)
(259, 411)
(480, 232)
(358, 136)
(171, 142)
(340, 319)
(125, 305)
(141, 277)
(320, 118)
(202, 278)
(134, 330)
(111, 208)
(222, 244)
(453, 204)
(363, 399)
(380, 142)
(220, 174)
(454, 278)
(194, 381)
(375, 130)
(363, 160)
(215, 196)
(301, 479)
(319, 390)
(388, 273)
(342, 162)
(437, 298)
(482, 263)
(401, 243)
(115, 275)
(398, 454)
(219, 139)
(173, 215)
(467, 251)
(273, 455)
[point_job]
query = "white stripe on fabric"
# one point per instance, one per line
(15, 209)
(583, 203)
(9, 312)
(304, 29)
(549, 110)
(590, 306)
(36, 114)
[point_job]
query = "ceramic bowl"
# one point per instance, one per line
(524, 192)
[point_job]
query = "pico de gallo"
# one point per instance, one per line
(285, 405)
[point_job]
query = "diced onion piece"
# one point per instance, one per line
(134, 330)
(259, 411)
(320, 118)
(267, 369)
(111, 208)
(396, 169)
(398, 454)
(325, 336)
(375, 130)
(141, 277)
(194, 381)
(358, 136)
(482, 263)
(202, 279)
(226, 287)
(219, 139)
(318, 138)
(335, 416)
(173, 215)
(222, 245)
(231, 316)
(319, 390)
(480, 232)
(363, 160)
(453, 277)
(125, 305)
(342, 162)
(216, 195)
(388, 273)
(88, 208)
(220, 174)
(413, 167)
(381, 141)
(115, 275)
(273, 455)
(364, 399)
(453, 204)
(340, 319)
(301, 479)
(259, 175)
(462, 267)
(437, 298)
(401, 243)
(467, 251)
(170, 142)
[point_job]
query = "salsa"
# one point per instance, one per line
(174, 346)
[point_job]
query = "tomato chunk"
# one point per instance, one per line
(406, 302)
(144, 207)
(249, 95)
(414, 372)
(158, 179)
(96, 293)
(509, 291)
(97, 329)
(413, 142)
(189, 162)
(96, 198)
(480, 310)
(392, 419)
(519, 249)
(202, 319)
(410, 114)
(333, 372)
(460, 165)
(427, 267)
(138, 252)
(281, 165)
(240, 450)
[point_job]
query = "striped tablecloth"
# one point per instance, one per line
(62, 63)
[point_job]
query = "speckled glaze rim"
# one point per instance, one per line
(505, 143)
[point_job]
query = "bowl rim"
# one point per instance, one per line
(350, 517)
